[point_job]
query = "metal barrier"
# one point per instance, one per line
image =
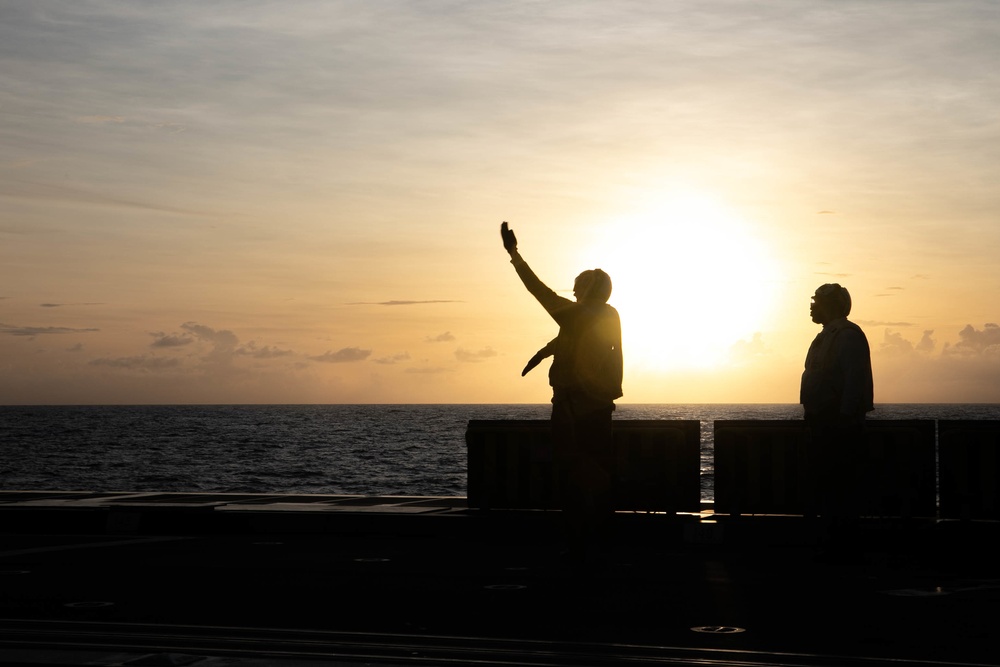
(657, 465)
(969, 460)
(764, 467)
(761, 467)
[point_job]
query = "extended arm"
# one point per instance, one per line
(547, 351)
(551, 301)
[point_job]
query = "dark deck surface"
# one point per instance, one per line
(170, 579)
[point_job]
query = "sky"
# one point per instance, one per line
(299, 202)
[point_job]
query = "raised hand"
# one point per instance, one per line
(509, 240)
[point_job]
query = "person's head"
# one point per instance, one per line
(830, 302)
(592, 285)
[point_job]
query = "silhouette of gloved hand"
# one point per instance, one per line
(509, 240)
(547, 351)
(534, 361)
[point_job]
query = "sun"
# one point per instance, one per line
(690, 280)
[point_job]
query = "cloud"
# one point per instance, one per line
(60, 305)
(222, 338)
(171, 127)
(224, 342)
(59, 193)
(344, 355)
(972, 341)
(881, 323)
(966, 371)
(12, 330)
(926, 343)
(466, 356)
(894, 343)
(266, 352)
(428, 370)
(100, 119)
(143, 363)
(166, 340)
(394, 359)
(825, 212)
(744, 351)
(445, 337)
(399, 302)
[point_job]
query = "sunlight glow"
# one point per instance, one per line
(690, 280)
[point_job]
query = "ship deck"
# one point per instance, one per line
(255, 579)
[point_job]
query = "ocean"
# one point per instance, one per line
(338, 449)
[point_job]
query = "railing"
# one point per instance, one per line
(761, 467)
(948, 469)
(656, 465)
(969, 465)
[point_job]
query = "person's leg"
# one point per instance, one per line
(838, 454)
(565, 458)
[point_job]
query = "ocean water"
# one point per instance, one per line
(339, 449)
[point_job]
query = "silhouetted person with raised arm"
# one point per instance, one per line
(586, 378)
(836, 394)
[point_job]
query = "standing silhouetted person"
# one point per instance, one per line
(836, 394)
(586, 378)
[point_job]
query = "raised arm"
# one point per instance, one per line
(551, 301)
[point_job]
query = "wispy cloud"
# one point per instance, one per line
(393, 359)
(167, 340)
(62, 305)
(58, 193)
(171, 127)
(467, 356)
(343, 355)
(883, 323)
(428, 370)
(266, 352)
(100, 119)
(445, 337)
(145, 363)
(13, 330)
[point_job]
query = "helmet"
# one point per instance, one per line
(593, 285)
(836, 299)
